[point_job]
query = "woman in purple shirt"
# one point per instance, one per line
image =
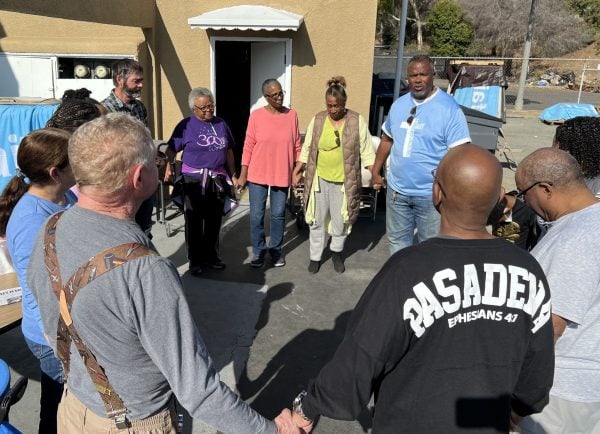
(208, 169)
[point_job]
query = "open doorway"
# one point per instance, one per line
(239, 68)
(232, 89)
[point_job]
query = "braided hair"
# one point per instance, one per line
(76, 109)
(580, 137)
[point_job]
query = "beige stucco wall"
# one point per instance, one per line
(70, 28)
(336, 39)
(53, 33)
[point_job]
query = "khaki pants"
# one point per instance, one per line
(328, 206)
(76, 418)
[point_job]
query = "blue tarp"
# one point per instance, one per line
(564, 111)
(486, 99)
(16, 121)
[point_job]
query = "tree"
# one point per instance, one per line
(387, 25)
(588, 10)
(388, 19)
(500, 27)
(450, 33)
(418, 9)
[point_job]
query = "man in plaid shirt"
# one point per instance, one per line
(128, 78)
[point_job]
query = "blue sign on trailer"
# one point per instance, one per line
(16, 121)
(486, 99)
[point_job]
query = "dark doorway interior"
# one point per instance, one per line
(232, 86)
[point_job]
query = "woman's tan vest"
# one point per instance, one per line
(351, 155)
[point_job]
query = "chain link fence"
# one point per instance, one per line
(551, 72)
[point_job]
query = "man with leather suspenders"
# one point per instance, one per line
(128, 342)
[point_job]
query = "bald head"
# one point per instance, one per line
(550, 165)
(470, 178)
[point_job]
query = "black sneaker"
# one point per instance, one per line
(338, 262)
(279, 262)
(218, 265)
(314, 266)
(195, 270)
(257, 261)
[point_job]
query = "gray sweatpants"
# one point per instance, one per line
(328, 205)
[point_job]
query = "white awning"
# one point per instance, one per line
(247, 17)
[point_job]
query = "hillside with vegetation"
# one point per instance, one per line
(493, 27)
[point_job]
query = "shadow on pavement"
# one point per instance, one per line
(511, 99)
(292, 368)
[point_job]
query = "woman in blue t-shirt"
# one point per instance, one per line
(40, 188)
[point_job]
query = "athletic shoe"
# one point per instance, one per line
(338, 262)
(257, 261)
(279, 262)
(314, 266)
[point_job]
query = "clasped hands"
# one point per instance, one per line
(239, 182)
(377, 181)
(290, 423)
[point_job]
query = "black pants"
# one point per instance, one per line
(203, 216)
(143, 217)
(49, 400)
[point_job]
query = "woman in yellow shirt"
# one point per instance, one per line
(336, 146)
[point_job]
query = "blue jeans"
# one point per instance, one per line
(258, 203)
(404, 214)
(51, 385)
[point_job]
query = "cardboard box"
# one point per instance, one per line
(10, 291)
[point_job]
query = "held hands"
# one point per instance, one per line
(168, 172)
(286, 423)
(515, 420)
(377, 181)
(297, 178)
(239, 183)
(304, 425)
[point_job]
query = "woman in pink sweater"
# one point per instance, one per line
(271, 149)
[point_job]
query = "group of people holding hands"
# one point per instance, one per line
(461, 331)
(329, 163)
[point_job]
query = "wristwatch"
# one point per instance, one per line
(297, 406)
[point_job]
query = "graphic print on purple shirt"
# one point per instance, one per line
(205, 144)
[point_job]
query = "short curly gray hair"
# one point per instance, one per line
(197, 92)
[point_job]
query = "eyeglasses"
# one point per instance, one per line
(276, 95)
(521, 194)
(434, 175)
(411, 118)
(205, 108)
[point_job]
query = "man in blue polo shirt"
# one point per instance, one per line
(420, 129)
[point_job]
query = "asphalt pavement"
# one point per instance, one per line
(270, 330)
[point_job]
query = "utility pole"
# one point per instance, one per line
(400, 57)
(526, 55)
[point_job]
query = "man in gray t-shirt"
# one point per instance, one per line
(551, 182)
(134, 318)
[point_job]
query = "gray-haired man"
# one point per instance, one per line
(134, 318)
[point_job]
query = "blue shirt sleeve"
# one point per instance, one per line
(457, 131)
(20, 245)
